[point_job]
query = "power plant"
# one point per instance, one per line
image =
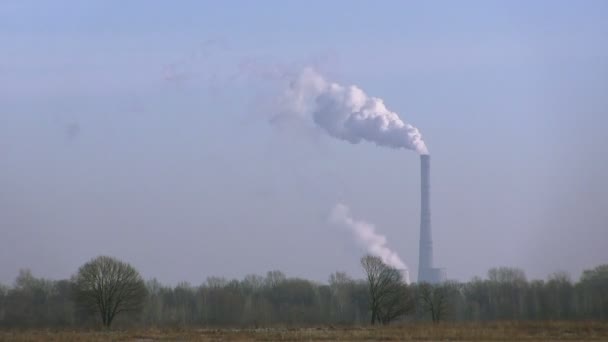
(349, 114)
(426, 272)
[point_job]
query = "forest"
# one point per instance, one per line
(277, 300)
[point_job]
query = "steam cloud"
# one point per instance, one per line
(366, 234)
(348, 113)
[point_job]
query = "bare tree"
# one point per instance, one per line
(507, 275)
(434, 300)
(389, 295)
(110, 287)
(274, 278)
(397, 303)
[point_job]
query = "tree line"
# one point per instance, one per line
(106, 291)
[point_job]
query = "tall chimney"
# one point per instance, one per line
(425, 258)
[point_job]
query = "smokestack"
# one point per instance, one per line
(425, 258)
(426, 272)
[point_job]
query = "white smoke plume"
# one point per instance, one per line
(366, 235)
(348, 113)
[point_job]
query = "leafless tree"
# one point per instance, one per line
(389, 295)
(507, 275)
(110, 287)
(434, 300)
(274, 278)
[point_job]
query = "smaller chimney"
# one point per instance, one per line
(405, 275)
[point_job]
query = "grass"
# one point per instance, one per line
(491, 331)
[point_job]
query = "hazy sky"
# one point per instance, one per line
(140, 130)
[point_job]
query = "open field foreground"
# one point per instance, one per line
(497, 331)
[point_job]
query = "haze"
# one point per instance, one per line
(142, 130)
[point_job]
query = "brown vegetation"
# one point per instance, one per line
(494, 331)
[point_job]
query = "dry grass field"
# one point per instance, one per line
(495, 331)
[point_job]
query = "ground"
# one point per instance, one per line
(494, 331)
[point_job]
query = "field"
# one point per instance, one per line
(496, 331)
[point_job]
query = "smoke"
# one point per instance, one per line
(366, 234)
(348, 113)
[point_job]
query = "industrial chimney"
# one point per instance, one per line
(426, 272)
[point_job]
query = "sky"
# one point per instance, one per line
(143, 130)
